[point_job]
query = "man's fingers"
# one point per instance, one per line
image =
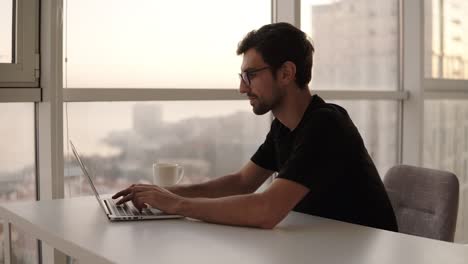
(139, 194)
(133, 188)
(122, 193)
(126, 198)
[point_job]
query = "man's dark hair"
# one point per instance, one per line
(281, 42)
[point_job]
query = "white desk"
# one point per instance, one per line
(78, 228)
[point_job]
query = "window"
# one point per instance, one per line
(445, 148)
(344, 34)
(17, 170)
(445, 107)
(110, 49)
(157, 44)
(120, 141)
(19, 67)
(19, 58)
(446, 46)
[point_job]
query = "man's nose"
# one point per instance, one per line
(243, 88)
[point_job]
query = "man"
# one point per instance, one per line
(323, 166)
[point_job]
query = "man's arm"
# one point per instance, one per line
(247, 180)
(264, 210)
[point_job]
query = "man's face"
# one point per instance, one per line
(263, 91)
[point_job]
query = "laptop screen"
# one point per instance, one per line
(85, 172)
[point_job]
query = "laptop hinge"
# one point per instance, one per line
(108, 210)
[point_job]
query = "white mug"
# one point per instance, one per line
(167, 174)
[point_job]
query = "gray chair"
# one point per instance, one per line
(425, 201)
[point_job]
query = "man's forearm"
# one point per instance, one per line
(240, 210)
(218, 187)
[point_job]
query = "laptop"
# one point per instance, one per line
(124, 212)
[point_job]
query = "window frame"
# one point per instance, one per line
(24, 71)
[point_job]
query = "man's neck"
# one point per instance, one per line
(292, 108)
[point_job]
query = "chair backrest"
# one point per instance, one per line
(425, 201)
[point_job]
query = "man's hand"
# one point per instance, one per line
(155, 196)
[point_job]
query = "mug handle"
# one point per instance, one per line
(181, 173)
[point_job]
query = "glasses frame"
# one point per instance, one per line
(246, 76)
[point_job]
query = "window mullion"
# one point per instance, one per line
(49, 115)
(97, 95)
(287, 11)
(413, 108)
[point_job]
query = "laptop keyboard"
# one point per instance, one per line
(127, 209)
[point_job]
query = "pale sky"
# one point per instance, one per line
(158, 44)
(5, 30)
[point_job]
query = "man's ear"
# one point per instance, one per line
(287, 72)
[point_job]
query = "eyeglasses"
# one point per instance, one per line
(246, 76)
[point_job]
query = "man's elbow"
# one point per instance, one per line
(269, 215)
(268, 225)
(270, 221)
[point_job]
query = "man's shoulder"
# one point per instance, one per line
(325, 116)
(327, 124)
(326, 110)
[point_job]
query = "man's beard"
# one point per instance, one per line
(262, 108)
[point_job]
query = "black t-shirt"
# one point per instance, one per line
(326, 154)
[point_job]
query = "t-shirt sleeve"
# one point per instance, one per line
(265, 156)
(315, 161)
